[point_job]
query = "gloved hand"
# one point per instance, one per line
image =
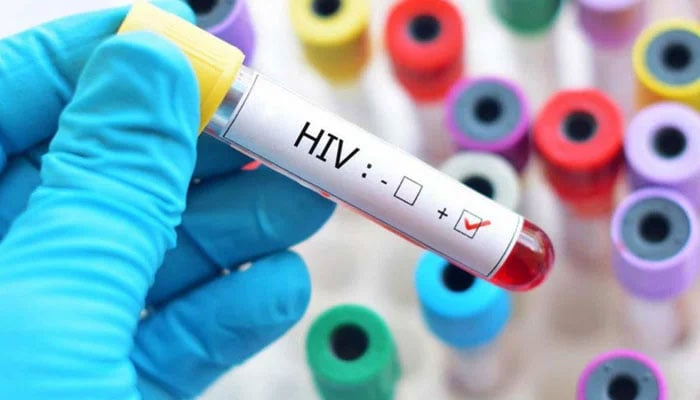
(94, 231)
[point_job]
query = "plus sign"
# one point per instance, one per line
(443, 213)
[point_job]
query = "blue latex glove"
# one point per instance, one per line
(94, 231)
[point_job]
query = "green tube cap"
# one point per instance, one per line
(352, 355)
(527, 16)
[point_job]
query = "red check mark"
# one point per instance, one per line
(475, 226)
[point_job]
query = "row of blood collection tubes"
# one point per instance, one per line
(584, 143)
(581, 138)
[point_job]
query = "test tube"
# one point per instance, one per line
(350, 166)
(666, 59)
(621, 375)
(611, 23)
(468, 316)
(526, 16)
(533, 42)
(611, 26)
(662, 148)
(425, 42)
(229, 20)
(579, 134)
(655, 259)
(492, 115)
(334, 36)
(352, 355)
(489, 174)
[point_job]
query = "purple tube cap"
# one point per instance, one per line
(654, 234)
(603, 23)
(662, 148)
(489, 114)
(590, 380)
(604, 6)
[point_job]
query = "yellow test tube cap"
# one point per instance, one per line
(215, 62)
(666, 59)
(334, 35)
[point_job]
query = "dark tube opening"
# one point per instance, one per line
(654, 227)
(202, 6)
(580, 126)
(669, 142)
(488, 110)
(326, 8)
(677, 56)
(425, 28)
(349, 342)
(623, 387)
(481, 185)
(457, 279)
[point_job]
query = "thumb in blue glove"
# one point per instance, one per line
(103, 229)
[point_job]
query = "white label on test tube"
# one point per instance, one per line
(338, 159)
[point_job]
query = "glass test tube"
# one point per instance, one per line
(611, 23)
(487, 173)
(656, 248)
(666, 59)
(662, 148)
(335, 39)
(621, 375)
(579, 134)
(352, 355)
(229, 21)
(426, 46)
(346, 164)
(611, 27)
(490, 114)
(469, 316)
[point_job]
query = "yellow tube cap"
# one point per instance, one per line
(650, 87)
(215, 62)
(334, 35)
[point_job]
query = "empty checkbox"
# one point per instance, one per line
(408, 190)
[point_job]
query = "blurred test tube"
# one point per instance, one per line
(425, 43)
(229, 20)
(656, 249)
(468, 315)
(531, 24)
(335, 38)
(611, 27)
(578, 134)
(621, 375)
(351, 354)
(666, 60)
(490, 114)
(662, 148)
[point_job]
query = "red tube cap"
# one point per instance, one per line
(425, 41)
(579, 135)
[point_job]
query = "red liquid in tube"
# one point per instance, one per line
(529, 263)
